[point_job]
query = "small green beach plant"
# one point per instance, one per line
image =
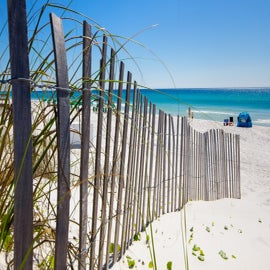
(223, 255)
(131, 263)
(169, 265)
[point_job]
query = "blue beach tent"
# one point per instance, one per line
(244, 120)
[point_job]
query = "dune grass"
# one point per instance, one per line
(44, 130)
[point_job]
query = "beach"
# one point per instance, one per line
(102, 168)
(225, 234)
(230, 233)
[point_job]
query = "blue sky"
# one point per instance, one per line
(196, 43)
(203, 43)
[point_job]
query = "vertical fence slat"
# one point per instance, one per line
(131, 170)
(169, 163)
(143, 176)
(129, 180)
(138, 179)
(165, 158)
(122, 167)
(238, 167)
(210, 165)
(226, 166)
(197, 176)
(192, 167)
(63, 141)
(106, 165)
(173, 151)
(177, 167)
(135, 121)
(186, 156)
(232, 165)
(174, 176)
(202, 158)
(160, 168)
(98, 171)
(23, 201)
(156, 172)
(87, 52)
(152, 151)
(199, 167)
(147, 168)
(114, 161)
(219, 187)
(205, 167)
(181, 161)
(222, 164)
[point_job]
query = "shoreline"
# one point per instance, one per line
(176, 101)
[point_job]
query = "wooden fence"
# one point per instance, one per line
(146, 162)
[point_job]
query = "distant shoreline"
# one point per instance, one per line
(206, 103)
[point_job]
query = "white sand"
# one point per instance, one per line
(238, 228)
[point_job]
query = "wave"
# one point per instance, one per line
(213, 112)
(262, 121)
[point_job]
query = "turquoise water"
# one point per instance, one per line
(215, 104)
(210, 104)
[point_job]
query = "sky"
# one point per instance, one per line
(189, 43)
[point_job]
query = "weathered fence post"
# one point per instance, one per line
(150, 205)
(98, 154)
(238, 169)
(177, 165)
(63, 143)
(122, 168)
(129, 180)
(138, 162)
(115, 160)
(165, 163)
(106, 164)
(23, 201)
(157, 174)
(141, 191)
(86, 106)
(136, 158)
(131, 169)
(147, 169)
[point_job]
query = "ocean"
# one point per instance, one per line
(215, 104)
(207, 103)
